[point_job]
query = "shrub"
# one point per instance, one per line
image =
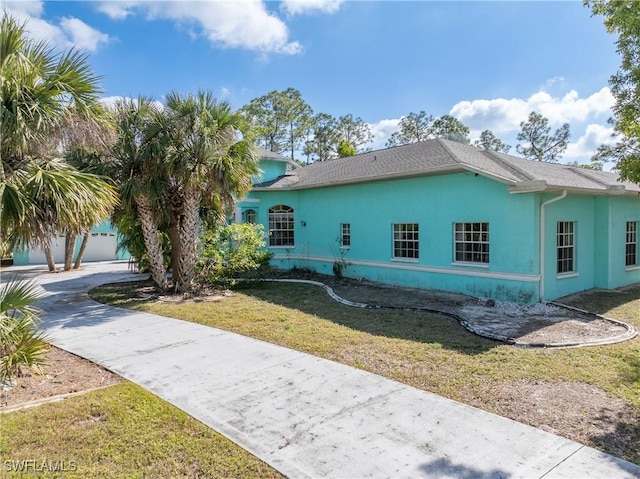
(232, 252)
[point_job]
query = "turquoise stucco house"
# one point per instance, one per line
(444, 215)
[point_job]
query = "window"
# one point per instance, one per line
(405, 240)
(281, 226)
(250, 216)
(345, 235)
(472, 242)
(631, 244)
(566, 247)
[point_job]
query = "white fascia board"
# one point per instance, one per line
(529, 186)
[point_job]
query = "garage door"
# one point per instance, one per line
(100, 247)
(36, 256)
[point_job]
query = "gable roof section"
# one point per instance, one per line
(270, 155)
(441, 156)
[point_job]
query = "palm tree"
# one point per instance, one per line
(38, 193)
(139, 165)
(39, 89)
(20, 342)
(210, 160)
(88, 145)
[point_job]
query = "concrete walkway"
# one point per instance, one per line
(307, 417)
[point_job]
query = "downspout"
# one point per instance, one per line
(542, 236)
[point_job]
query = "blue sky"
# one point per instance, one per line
(487, 63)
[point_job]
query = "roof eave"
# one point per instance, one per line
(539, 186)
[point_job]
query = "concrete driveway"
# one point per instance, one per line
(305, 416)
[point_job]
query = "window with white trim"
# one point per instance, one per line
(405, 240)
(281, 225)
(471, 242)
(345, 235)
(566, 247)
(631, 244)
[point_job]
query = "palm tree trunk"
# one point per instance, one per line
(69, 246)
(83, 247)
(152, 241)
(189, 231)
(46, 247)
(174, 234)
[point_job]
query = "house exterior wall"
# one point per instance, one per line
(435, 203)
(271, 169)
(612, 215)
(600, 232)
(581, 211)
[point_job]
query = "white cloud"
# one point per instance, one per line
(110, 101)
(239, 24)
(295, 7)
(82, 35)
(116, 10)
(381, 131)
(594, 136)
(28, 8)
(502, 115)
(70, 32)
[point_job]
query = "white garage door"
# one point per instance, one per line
(36, 256)
(100, 247)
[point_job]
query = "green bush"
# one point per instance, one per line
(232, 252)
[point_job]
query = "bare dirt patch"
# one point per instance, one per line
(538, 325)
(575, 410)
(64, 373)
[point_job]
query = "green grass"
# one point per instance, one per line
(121, 432)
(427, 351)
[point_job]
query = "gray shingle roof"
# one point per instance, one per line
(270, 155)
(443, 156)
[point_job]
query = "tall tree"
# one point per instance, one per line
(413, 127)
(209, 153)
(281, 120)
(420, 126)
(41, 194)
(138, 168)
(324, 138)
(353, 131)
(450, 128)
(488, 141)
(37, 193)
(87, 146)
(540, 144)
(622, 17)
(265, 113)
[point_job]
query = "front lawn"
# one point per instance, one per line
(118, 432)
(591, 395)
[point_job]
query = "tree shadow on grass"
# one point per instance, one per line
(601, 301)
(414, 326)
(622, 439)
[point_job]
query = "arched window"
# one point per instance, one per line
(250, 216)
(281, 226)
